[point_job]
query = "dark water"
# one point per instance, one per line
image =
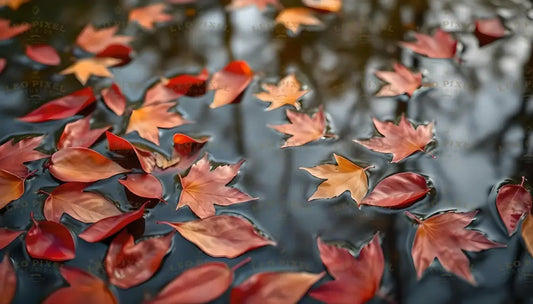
(481, 106)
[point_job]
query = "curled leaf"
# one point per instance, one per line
(121, 146)
(230, 82)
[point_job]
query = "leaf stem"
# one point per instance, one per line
(241, 263)
(412, 216)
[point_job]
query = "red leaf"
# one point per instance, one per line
(444, 236)
(13, 155)
(400, 81)
(7, 31)
(513, 202)
(95, 40)
(203, 187)
(188, 85)
(7, 236)
(222, 235)
(84, 289)
(107, 227)
(128, 264)
(87, 207)
(143, 185)
(230, 82)
(82, 165)
(114, 99)
(200, 284)
(3, 63)
(274, 287)
(357, 280)
(401, 140)
(261, 4)
(11, 188)
(79, 134)
(120, 145)
(185, 152)
(62, 107)
(50, 241)
(117, 51)
(489, 30)
(398, 191)
(441, 45)
(8, 280)
(44, 54)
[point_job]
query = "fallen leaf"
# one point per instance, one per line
(148, 119)
(440, 45)
(230, 82)
(400, 140)
(114, 99)
(398, 191)
(44, 54)
(62, 107)
(200, 284)
(121, 146)
(345, 176)
(274, 287)
(489, 30)
(87, 67)
(3, 63)
(203, 188)
(7, 31)
(82, 165)
(143, 185)
(87, 207)
(7, 236)
(147, 16)
(14, 5)
(13, 155)
(222, 235)
(513, 203)
(170, 89)
(95, 40)
(11, 188)
(444, 236)
(129, 264)
(400, 81)
(303, 128)
(107, 227)
(8, 280)
(50, 241)
(79, 134)
(261, 4)
(84, 288)
(185, 151)
(287, 92)
(333, 6)
(357, 280)
(117, 51)
(527, 233)
(294, 17)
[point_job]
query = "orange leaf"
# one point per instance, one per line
(7, 31)
(11, 187)
(303, 128)
(185, 152)
(287, 92)
(230, 82)
(527, 233)
(400, 81)
(82, 165)
(95, 40)
(324, 5)
(222, 235)
(345, 176)
(8, 278)
(44, 54)
(79, 134)
(294, 17)
(13, 155)
(261, 4)
(401, 140)
(114, 99)
(146, 16)
(441, 45)
(13, 4)
(87, 67)
(143, 185)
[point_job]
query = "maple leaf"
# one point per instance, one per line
(8, 277)
(87, 67)
(148, 119)
(303, 128)
(444, 236)
(69, 198)
(260, 4)
(513, 202)
(44, 54)
(146, 16)
(143, 185)
(287, 92)
(274, 287)
(489, 30)
(185, 151)
(13, 4)
(527, 233)
(401, 140)
(400, 81)
(118, 144)
(129, 264)
(7, 31)
(441, 45)
(357, 280)
(230, 82)
(398, 191)
(222, 235)
(202, 188)
(294, 17)
(345, 176)
(95, 40)
(114, 99)
(11, 187)
(7, 236)
(84, 288)
(50, 241)
(79, 134)
(324, 5)
(62, 107)
(13, 155)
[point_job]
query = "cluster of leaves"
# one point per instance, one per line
(128, 263)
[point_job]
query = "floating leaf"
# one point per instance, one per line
(13, 155)
(87, 67)
(147, 16)
(79, 134)
(185, 152)
(114, 99)
(489, 30)
(527, 233)
(287, 92)
(143, 185)
(44, 54)
(294, 17)
(7, 31)
(513, 203)
(50, 241)
(441, 45)
(230, 82)
(7, 236)
(8, 280)
(400, 81)
(303, 128)
(121, 146)
(260, 4)
(333, 6)
(95, 40)
(398, 191)
(11, 187)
